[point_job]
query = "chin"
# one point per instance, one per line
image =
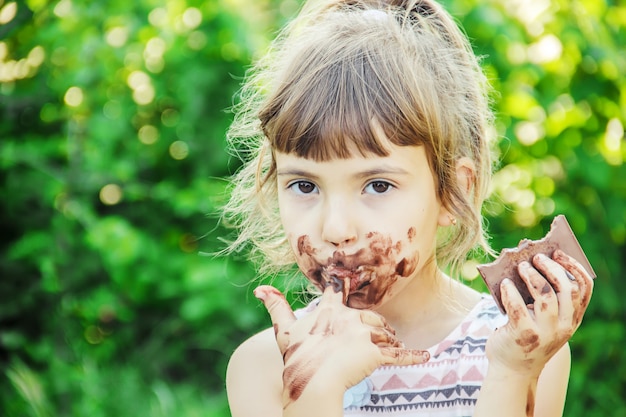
(365, 300)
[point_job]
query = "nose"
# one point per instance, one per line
(339, 224)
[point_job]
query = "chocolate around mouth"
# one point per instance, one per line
(347, 280)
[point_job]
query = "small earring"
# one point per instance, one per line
(452, 220)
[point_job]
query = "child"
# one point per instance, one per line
(367, 130)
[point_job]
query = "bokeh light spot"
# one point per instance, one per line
(192, 17)
(529, 132)
(170, 117)
(74, 96)
(469, 270)
(137, 78)
(158, 17)
(614, 135)
(144, 94)
(111, 194)
(549, 48)
(117, 36)
(179, 150)
(8, 12)
(612, 145)
(545, 206)
(155, 48)
(230, 51)
(63, 8)
(196, 40)
(143, 91)
(36, 56)
(148, 134)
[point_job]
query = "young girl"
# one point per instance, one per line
(366, 139)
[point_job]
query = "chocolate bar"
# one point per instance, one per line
(560, 237)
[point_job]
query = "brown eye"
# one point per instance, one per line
(303, 187)
(377, 187)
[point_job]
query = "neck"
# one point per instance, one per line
(428, 307)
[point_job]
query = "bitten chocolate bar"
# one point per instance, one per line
(560, 236)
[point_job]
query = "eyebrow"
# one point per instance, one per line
(296, 172)
(382, 170)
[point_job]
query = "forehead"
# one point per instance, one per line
(402, 161)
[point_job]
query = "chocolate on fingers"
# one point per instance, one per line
(559, 238)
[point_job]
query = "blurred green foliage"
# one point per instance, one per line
(112, 167)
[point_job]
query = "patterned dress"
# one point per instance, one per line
(446, 386)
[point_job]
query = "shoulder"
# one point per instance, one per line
(254, 377)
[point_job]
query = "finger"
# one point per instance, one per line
(383, 338)
(375, 320)
(514, 304)
(332, 296)
(403, 357)
(345, 291)
(567, 291)
(277, 306)
(579, 274)
(584, 282)
(553, 272)
(546, 304)
(537, 285)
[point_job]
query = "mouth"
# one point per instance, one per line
(347, 280)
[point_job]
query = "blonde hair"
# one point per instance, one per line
(339, 68)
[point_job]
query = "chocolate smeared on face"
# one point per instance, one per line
(337, 284)
(304, 246)
(411, 234)
(365, 276)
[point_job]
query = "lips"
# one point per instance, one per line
(357, 278)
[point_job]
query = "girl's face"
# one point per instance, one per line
(368, 224)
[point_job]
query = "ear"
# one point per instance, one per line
(466, 178)
(466, 174)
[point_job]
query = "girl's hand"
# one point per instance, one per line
(336, 343)
(536, 332)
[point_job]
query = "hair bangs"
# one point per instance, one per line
(337, 110)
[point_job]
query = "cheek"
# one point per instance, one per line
(412, 249)
(290, 226)
(407, 266)
(291, 217)
(305, 253)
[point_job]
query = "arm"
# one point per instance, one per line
(529, 358)
(552, 385)
(506, 390)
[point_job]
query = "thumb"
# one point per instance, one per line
(277, 306)
(334, 294)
